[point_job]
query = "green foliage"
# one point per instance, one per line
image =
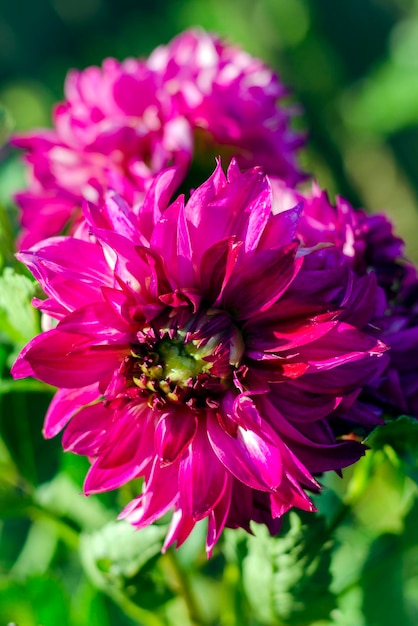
(120, 560)
(18, 319)
(402, 436)
(287, 578)
(40, 600)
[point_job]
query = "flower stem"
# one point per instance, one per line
(183, 585)
(132, 610)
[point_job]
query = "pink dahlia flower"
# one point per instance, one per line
(203, 349)
(117, 128)
(123, 123)
(232, 100)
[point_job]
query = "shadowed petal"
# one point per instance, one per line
(174, 431)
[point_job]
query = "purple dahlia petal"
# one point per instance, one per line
(69, 270)
(134, 452)
(299, 405)
(154, 502)
(281, 228)
(287, 336)
(174, 432)
(86, 432)
(313, 444)
(345, 378)
(343, 344)
(64, 405)
(157, 199)
(218, 517)
(62, 359)
(253, 460)
(99, 322)
(202, 478)
(259, 280)
(43, 215)
(240, 208)
(181, 525)
(217, 265)
(171, 238)
(115, 214)
(289, 495)
(123, 260)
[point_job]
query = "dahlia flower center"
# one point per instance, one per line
(182, 361)
(183, 368)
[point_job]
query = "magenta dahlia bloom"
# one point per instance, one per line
(200, 347)
(123, 123)
(232, 100)
(117, 128)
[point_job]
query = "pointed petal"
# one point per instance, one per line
(154, 502)
(259, 281)
(64, 405)
(86, 432)
(218, 517)
(133, 432)
(181, 526)
(202, 478)
(253, 460)
(174, 432)
(61, 359)
(70, 270)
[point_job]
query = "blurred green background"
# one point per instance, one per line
(354, 68)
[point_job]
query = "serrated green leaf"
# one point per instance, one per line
(120, 560)
(287, 578)
(18, 319)
(402, 436)
(125, 550)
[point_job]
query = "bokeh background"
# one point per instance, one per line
(353, 67)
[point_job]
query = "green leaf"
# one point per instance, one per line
(382, 583)
(37, 552)
(118, 558)
(401, 436)
(21, 419)
(287, 578)
(18, 319)
(63, 499)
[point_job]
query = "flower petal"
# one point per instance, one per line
(174, 431)
(64, 405)
(63, 360)
(202, 478)
(253, 460)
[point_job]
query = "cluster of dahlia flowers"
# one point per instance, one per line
(229, 346)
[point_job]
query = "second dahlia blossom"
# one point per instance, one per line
(200, 347)
(369, 245)
(124, 122)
